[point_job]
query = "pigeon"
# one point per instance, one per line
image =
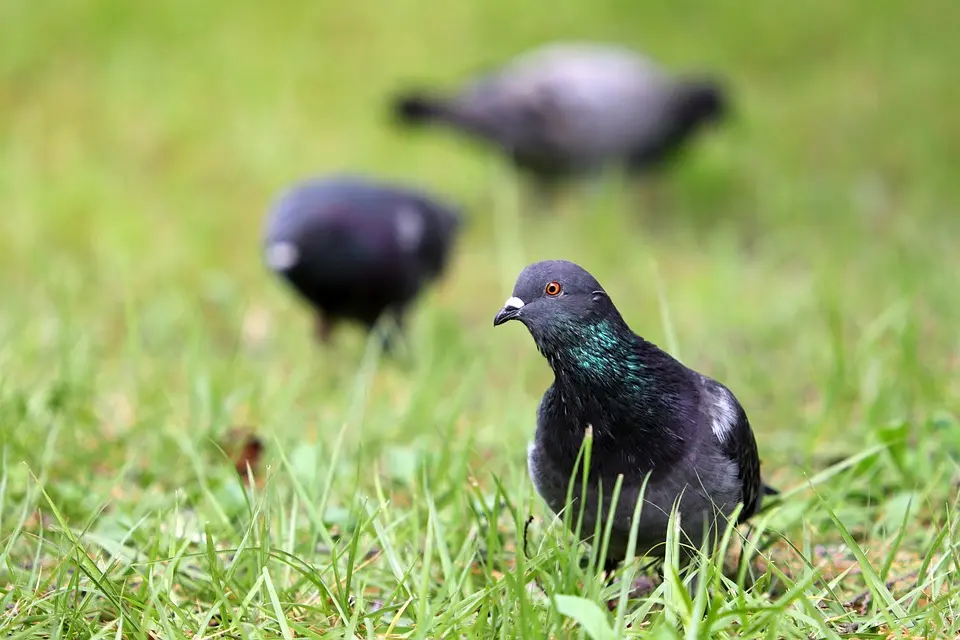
(356, 249)
(566, 110)
(650, 416)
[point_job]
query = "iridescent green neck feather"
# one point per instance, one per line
(603, 352)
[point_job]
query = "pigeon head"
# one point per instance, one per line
(569, 315)
(549, 292)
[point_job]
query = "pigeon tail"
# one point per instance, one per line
(418, 108)
(701, 100)
(771, 500)
(421, 108)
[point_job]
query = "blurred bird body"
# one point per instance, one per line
(649, 414)
(355, 249)
(570, 109)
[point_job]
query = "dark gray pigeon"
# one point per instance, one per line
(649, 414)
(356, 249)
(569, 109)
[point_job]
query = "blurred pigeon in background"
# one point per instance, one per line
(356, 249)
(570, 109)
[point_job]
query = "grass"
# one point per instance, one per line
(807, 258)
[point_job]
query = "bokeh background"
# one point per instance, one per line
(806, 254)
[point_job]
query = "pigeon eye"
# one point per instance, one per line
(552, 288)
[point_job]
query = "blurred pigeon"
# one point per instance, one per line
(569, 109)
(356, 249)
(649, 415)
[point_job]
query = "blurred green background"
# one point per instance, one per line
(806, 255)
(143, 145)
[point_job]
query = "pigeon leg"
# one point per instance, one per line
(643, 584)
(391, 330)
(388, 341)
(323, 328)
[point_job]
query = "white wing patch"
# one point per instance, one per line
(409, 228)
(282, 256)
(723, 412)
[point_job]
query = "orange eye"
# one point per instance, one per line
(552, 288)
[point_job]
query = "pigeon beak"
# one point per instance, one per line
(510, 311)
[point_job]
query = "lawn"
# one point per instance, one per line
(804, 254)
